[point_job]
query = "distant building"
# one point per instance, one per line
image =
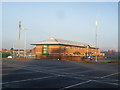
(5, 50)
(21, 52)
(16, 52)
(54, 48)
(110, 51)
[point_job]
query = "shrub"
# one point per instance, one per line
(5, 54)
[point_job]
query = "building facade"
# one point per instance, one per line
(63, 49)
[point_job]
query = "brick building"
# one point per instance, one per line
(54, 48)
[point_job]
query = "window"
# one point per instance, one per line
(62, 47)
(61, 54)
(45, 50)
(44, 46)
(74, 47)
(71, 54)
(66, 47)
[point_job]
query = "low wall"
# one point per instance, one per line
(56, 57)
(41, 56)
(99, 57)
(71, 58)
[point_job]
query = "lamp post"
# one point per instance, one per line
(87, 49)
(25, 42)
(25, 45)
(19, 38)
(13, 51)
(96, 23)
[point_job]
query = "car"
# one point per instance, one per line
(87, 57)
(9, 57)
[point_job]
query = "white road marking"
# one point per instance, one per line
(81, 78)
(52, 72)
(106, 82)
(27, 80)
(28, 68)
(110, 75)
(75, 84)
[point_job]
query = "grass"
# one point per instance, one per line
(109, 62)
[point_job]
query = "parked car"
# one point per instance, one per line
(9, 57)
(87, 57)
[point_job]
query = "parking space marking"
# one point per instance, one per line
(28, 80)
(53, 72)
(82, 78)
(110, 75)
(116, 84)
(106, 82)
(81, 72)
(75, 84)
(61, 73)
(64, 74)
(35, 66)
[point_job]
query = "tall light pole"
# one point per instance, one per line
(19, 38)
(25, 45)
(25, 42)
(87, 49)
(13, 51)
(96, 23)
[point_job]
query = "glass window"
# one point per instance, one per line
(70, 53)
(74, 47)
(62, 47)
(45, 49)
(44, 45)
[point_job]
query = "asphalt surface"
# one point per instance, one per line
(58, 74)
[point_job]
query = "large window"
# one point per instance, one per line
(74, 47)
(45, 50)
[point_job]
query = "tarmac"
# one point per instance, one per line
(25, 73)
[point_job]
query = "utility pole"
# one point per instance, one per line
(96, 23)
(13, 51)
(19, 38)
(87, 50)
(25, 45)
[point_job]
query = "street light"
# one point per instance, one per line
(13, 51)
(96, 23)
(25, 45)
(87, 49)
(20, 24)
(19, 38)
(25, 42)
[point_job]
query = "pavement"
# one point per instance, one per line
(61, 75)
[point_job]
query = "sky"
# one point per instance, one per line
(73, 21)
(0, 26)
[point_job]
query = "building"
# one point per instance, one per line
(5, 50)
(54, 48)
(111, 52)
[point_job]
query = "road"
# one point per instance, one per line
(58, 74)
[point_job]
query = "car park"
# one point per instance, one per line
(87, 57)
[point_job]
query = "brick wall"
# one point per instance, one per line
(66, 52)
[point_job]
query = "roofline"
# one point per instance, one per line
(94, 48)
(60, 44)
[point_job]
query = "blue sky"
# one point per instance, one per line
(65, 20)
